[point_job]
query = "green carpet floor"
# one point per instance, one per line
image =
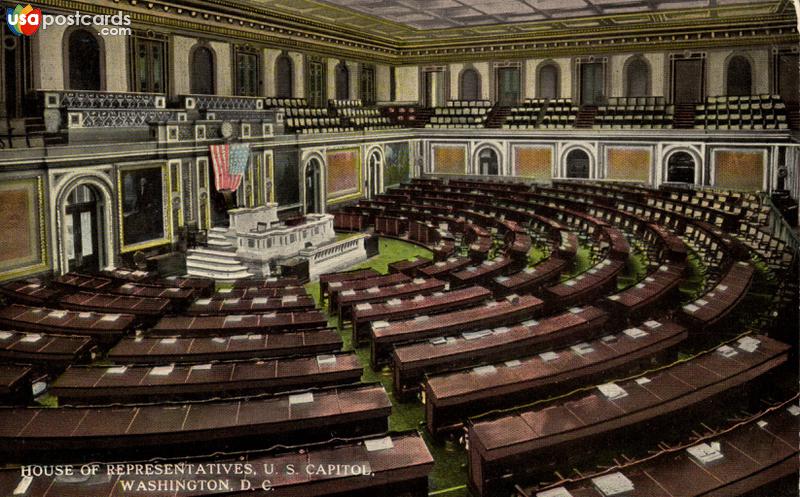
(450, 468)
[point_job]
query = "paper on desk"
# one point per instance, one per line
(613, 484)
(377, 444)
(162, 370)
(612, 391)
(301, 398)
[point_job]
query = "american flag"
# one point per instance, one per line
(230, 163)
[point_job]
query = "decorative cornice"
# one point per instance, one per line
(244, 21)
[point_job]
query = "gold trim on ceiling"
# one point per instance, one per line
(245, 21)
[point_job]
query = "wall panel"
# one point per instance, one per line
(449, 159)
(21, 213)
(739, 169)
(630, 164)
(533, 162)
(344, 172)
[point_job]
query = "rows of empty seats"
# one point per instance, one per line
(542, 113)
(754, 112)
(461, 114)
(354, 114)
(634, 112)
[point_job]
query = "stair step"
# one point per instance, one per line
(219, 276)
(210, 266)
(200, 260)
(222, 246)
(212, 252)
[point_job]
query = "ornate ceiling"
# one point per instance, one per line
(425, 21)
(442, 14)
(440, 31)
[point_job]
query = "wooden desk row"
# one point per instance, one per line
(585, 287)
(273, 322)
(254, 292)
(348, 221)
(515, 237)
(604, 208)
(128, 384)
(29, 292)
(489, 185)
(531, 279)
(84, 281)
(497, 313)
(397, 466)
(683, 225)
(654, 290)
(675, 248)
(337, 287)
(365, 315)
(451, 398)
(168, 350)
(423, 233)
(393, 226)
(443, 268)
(269, 282)
(81, 434)
(483, 273)
(357, 274)
(751, 456)
(202, 287)
(176, 294)
(412, 362)
(53, 352)
(717, 304)
(349, 299)
(236, 305)
(103, 327)
(409, 267)
(601, 193)
(146, 307)
(529, 439)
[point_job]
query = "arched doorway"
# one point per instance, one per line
(680, 168)
(342, 81)
(202, 71)
(637, 78)
(739, 76)
(284, 77)
(578, 164)
(548, 81)
(82, 221)
(488, 162)
(470, 85)
(313, 186)
(84, 61)
(374, 168)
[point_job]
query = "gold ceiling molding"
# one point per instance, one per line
(245, 20)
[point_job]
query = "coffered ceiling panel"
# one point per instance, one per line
(420, 23)
(437, 14)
